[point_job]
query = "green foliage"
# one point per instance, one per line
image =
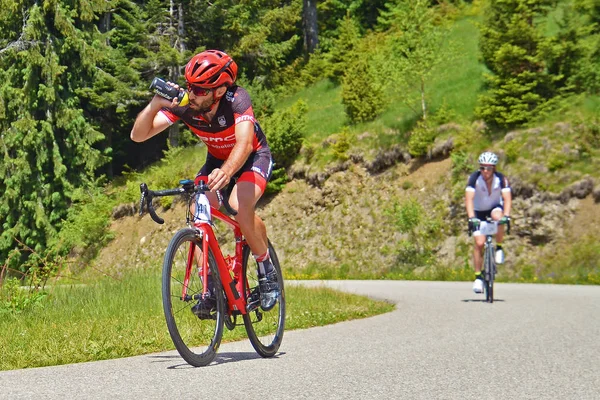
(341, 146)
(444, 114)
(344, 47)
(48, 139)
(514, 50)
(515, 100)
(512, 150)
(421, 138)
(461, 165)
(556, 161)
(285, 132)
(15, 299)
(419, 42)
(588, 135)
(263, 100)
(574, 54)
(422, 229)
(362, 91)
(277, 182)
(85, 230)
(409, 216)
(461, 168)
(270, 38)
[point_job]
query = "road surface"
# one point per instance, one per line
(441, 342)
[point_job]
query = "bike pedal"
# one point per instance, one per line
(251, 306)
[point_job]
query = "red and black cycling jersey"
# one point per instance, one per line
(219, 134)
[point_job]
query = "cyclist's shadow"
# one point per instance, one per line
(481, 300)
(221, 358)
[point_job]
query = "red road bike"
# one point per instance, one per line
(192, 254)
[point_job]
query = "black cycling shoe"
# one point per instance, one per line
(205, 308)
(269, 290)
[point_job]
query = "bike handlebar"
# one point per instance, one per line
(187, 186)
(489, 220)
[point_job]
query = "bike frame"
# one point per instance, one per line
(230, 268)
(489, 264)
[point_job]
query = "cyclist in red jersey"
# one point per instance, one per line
(220, 114)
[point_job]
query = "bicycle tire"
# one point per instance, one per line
(197, 340)
(489, 274)
(264, 328)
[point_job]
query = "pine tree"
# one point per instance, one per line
(513, 48)
(344, 47)
(56, 72)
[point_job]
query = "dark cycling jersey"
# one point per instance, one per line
(484, 201)
(219, 134)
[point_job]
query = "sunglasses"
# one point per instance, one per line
(486, 168)
(198, 91)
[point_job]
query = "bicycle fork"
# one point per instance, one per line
(230, 275)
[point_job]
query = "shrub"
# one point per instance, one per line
(421, 139)
(341, 146)
(512, 150)
(285, 133)
(423, 231)
(277, 182)
(13, 298)
(362, 95)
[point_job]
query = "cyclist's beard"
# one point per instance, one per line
(203, 106)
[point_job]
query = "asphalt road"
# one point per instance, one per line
(441, 342)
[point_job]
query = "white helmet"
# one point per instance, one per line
(488, 158)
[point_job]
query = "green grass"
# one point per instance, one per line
(454, 86)
(121, 318)
(325, 110)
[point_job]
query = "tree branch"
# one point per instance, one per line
(20, 44)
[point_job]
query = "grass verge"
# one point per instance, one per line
(113, 319)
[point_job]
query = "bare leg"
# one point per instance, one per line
(478, 252)
(243, 198)
(497, 216)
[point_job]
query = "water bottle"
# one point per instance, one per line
(161, 88)
(202, 213)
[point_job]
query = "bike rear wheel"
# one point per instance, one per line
(264, 328)
(196, 340)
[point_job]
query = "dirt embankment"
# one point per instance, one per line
(347, 223)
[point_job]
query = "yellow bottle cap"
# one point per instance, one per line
(184, 100)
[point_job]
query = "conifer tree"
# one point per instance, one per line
(56, 72)
(344, 47)
(513, 48)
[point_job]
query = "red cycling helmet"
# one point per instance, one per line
(211, 69)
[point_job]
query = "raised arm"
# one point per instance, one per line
(150, 121)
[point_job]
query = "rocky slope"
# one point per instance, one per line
(344, 224)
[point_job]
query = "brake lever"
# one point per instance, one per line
(146, 195)
(144, 191)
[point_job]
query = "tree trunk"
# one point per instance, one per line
(180, 28)
(176, 42)
(423, 104)
(311, 31)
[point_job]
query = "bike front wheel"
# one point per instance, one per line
(264, 328)
(196, 339)
(490, 270)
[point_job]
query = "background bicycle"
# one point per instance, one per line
(489, 228)
(193, 255)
